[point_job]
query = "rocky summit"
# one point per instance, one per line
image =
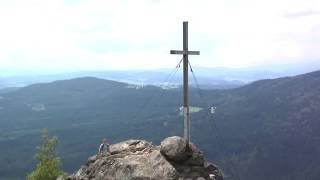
(141, 160)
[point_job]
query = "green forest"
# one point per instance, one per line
(265, 130)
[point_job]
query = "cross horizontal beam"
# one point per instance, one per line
(185, 52)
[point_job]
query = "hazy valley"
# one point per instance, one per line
(264, 130)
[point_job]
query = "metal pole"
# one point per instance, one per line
(185, 83)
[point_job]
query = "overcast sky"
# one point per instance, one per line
(70, 35)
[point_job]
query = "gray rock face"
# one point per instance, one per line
(140, 160)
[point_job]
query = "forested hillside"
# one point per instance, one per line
(265, 130)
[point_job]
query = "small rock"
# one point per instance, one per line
(212, 176)
(210, 167)
(92, 159)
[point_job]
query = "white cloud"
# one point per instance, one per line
(103, 34)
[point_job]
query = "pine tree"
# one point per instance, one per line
(49, 165)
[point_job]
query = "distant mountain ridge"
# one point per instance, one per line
(265, 130)
(211, 78)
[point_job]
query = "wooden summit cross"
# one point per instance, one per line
(185, 53)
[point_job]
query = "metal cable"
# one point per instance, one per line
(235, 172)
(147, 102)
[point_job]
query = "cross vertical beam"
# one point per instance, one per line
(185, 52)
(186, 114)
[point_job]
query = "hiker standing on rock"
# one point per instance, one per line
(104, 146)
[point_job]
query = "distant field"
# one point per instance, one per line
(194, 109)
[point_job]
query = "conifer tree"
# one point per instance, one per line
(49, 165)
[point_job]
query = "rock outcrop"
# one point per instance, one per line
(140, 160)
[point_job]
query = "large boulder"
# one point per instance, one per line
(174, 148)
(140, 160)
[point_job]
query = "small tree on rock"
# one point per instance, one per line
(49, 165)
